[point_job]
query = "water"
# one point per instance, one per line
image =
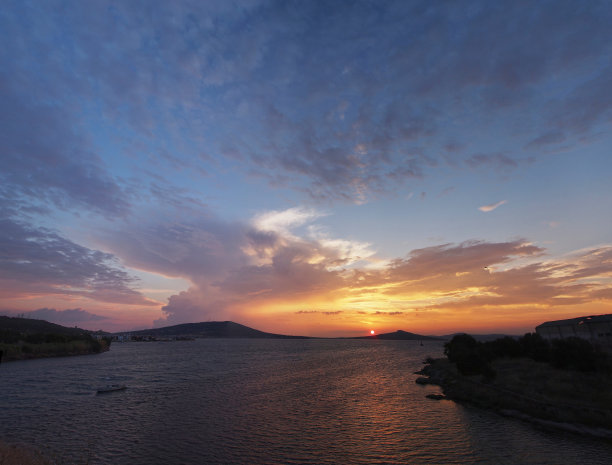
(241, 401)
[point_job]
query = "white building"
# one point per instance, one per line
(597, 329)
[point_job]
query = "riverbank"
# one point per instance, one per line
(533, 391)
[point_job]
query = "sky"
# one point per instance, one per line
(306, 167)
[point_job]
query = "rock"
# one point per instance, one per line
(436, 396)
(423, 380)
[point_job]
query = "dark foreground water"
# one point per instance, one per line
(263, 402)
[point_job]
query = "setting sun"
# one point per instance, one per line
(372, 332)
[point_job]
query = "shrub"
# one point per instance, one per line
(574, 353)
(535, 347)
(459, 346)
(503, 347)
(469, 356)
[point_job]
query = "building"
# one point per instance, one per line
(597, 329)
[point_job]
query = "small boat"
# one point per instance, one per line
(111, 388)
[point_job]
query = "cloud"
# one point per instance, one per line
(493, 206)
(586, 105)
(45, 162)
(196, 74)
(497, 160)
(282, 221)
(231, 264)
(282, 261)
(549, 285)
(37, 261)
(68, 316)
(549, 138)
(321, 312)
(105, 107)
(448, 259)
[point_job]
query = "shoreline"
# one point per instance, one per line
(510, 400)
(15, 352)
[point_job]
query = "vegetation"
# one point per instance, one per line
(561, 383)
(473, 357)
(22, 338)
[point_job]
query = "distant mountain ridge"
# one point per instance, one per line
(400, 335)
(212, 329)
(209, 329)
(229, 329)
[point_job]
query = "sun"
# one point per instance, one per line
(372, 332)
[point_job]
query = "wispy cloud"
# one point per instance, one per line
(493, 206)
(172, 69)
(148, 112)
(65, 317)
(320, 312)
(283, 221)
(38, 261)
(240, 271)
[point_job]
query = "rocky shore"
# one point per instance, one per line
(532, 391)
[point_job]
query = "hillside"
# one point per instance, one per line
(212, 329)
(33, 326)
(25, 338)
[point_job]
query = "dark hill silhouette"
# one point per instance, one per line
(212, 329)
(33, 326)
(400, 335)
(479, 337)
(26, 338)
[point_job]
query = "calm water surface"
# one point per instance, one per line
(241, 401)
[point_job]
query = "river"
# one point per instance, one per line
(263, 401)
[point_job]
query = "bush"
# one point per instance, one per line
(575, 353)
(469, 356)
(535, 347)
(9, 337)
(473, 357)
(459, 346)
(506, 346)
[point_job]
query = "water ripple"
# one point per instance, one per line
(263, 402)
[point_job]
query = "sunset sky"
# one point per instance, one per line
(322, 168)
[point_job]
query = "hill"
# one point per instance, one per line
(24, 338)
(33, 326)
(212, 329)
(479, 337)
(400, 335)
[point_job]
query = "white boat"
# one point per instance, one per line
(111, 388)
